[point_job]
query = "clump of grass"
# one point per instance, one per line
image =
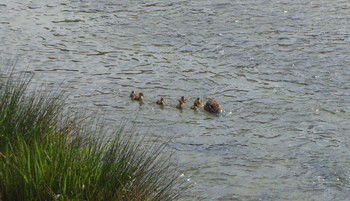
(44, 155)
(29, 114)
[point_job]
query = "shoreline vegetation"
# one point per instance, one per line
(49, 154)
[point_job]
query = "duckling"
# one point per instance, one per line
(161, 102)
(212, 106)
(133, 95)
(197, 102)
(194, 107)
(181, 105)
(139, 97)
(182, 99)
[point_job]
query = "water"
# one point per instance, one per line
(279, 69)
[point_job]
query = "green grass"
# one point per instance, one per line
(47, 155)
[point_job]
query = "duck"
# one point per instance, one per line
(161, 102)
(212, 106)
(182, 99)
(181, 105)
(133, 95)
(194, 107)
(197, 102)
(139, 97)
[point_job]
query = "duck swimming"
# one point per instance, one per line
(197, 102)
(181, 105)
(182, 99)
(194, 107)
(133, 95)
(139, 97)
(161, 102)
(212, 106)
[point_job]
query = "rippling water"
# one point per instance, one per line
(279, 68)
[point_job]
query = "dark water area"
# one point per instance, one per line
(278, 68)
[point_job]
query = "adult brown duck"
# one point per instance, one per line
(212, 106)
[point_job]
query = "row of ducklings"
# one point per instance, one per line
(211, 105)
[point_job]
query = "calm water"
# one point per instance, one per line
(279, 68)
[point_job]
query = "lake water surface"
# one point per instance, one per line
(279, 68)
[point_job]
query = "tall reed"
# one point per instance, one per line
(46, 155)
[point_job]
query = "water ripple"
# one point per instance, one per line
(279, 70)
